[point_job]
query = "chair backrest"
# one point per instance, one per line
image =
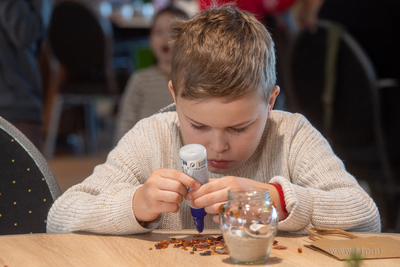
(332, 84)
(28, 187)
(82, 41)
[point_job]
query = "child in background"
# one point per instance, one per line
(223, 82)
(147, 90)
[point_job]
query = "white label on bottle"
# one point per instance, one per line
(194, 164)
(197, 169)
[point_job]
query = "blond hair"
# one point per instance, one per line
(222, 52)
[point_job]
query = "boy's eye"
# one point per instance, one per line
(202, 127)
(198, 127)
(240, 130)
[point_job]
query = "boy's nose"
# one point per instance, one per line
(219, 143)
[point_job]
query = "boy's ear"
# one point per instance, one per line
(272, 98)
(172, 90)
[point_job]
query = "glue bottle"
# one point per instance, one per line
(194, 163)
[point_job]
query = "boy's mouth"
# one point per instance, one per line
(165, 49)
(219, 163)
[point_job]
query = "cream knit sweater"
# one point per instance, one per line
(318, 191)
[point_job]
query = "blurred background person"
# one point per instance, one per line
(259, 8)
(275, 15)
(23, 27)
(147, 89)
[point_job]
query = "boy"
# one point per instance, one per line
(223, 84)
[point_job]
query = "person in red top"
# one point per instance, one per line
(259, 8)
(274, 16)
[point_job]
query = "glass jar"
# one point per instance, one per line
(249, 223)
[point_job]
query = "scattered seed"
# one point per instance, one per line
(280, 247)
(206, 253)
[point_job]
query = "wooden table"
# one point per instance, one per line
(81, 249)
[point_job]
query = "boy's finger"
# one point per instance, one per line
(210, 199)
(214, 208)
(174, 186)
(207, 188)
(168, 207)
(170, 197)
(181, 177)
(216, 218)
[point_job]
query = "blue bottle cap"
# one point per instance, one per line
(198, 217)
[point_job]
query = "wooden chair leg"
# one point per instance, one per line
(51, 136)
(91, 126)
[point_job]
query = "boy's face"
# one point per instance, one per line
(230, 131)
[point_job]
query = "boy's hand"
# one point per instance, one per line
(162, 192)
(215, 193)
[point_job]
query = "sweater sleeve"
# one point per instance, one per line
(102, 203)
(320, 191)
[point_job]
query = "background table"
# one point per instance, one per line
(81, 249)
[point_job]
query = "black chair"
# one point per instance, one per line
(28, 187)
(334, 84)
(81, 40)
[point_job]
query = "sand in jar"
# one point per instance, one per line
(248, 250)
